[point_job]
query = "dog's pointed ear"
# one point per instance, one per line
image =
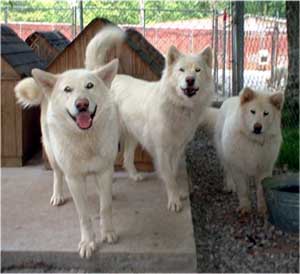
(172, 55)
(45, 80)
(207, 56)
(108, 72)
(277, 100)
(247, 95)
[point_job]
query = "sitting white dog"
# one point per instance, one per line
(248, 139)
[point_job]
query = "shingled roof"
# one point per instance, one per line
(17, 53)
(146, 51)
(55, 38)
(137, 42)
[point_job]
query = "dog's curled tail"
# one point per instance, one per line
(28, 93)
(98, 47)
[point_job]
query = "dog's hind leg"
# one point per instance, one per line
(57, 197)
(229, 185)
(260, 197)
(129, 149)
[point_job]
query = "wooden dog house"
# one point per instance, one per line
(47, 44)
(137, 57)
(20, 129)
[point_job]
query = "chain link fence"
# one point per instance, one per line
(190, 26)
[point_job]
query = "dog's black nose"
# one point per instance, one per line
(257, 128)
(82, 104)
(190, 81)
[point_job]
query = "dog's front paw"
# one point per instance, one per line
(86, 249)
(244, 210)
(175, 204)
(57, 200)
(262, 210)
(229, 188)
(109, 236)
(137, 177)
(183, 194)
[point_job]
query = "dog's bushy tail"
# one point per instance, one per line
(98, 47)
(28, 93)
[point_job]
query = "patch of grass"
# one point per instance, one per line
(289, 152)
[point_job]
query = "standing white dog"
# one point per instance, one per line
(80, 134)
(248, 139)
(162, 116)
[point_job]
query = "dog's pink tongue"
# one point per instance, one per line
(84, 120)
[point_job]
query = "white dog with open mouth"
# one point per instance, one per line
(80, 134)
(162, 116)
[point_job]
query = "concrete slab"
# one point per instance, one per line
(152, 239)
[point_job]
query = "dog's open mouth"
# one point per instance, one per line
(83, 119)
(190, 91)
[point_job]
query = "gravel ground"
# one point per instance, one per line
(225, 241)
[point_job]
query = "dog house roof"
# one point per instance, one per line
(17, 53)
(135, 40)
(146, 51)
(55, 38)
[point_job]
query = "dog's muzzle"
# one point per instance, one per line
(83, 119)
(190, 91)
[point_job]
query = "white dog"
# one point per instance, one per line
(80, 134)
(248, 139)
(162, 116)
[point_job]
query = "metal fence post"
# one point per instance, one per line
(237, 47)
(144, 21)
(6, 15)
(212, 28)
(224, 51)
(81, 15)
(142, 12)
(74, 21)
(216, 45)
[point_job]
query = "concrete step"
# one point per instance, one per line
(152, 239)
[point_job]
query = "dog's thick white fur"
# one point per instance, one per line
(80, 133)
(248, 139)
(162, 116)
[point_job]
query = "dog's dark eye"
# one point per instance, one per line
(181, 69)
(89, 85)
(266, 113)
(197, 69)
(68, 89)
(253, 111)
